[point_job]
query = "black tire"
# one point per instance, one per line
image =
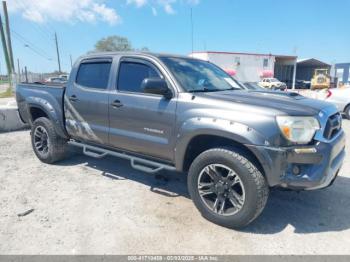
(347, 112)
(255, 189)
(56, 147)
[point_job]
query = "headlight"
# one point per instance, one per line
(298, 129)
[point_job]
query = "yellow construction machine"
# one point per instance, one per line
(321, 79)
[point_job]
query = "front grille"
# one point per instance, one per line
(333, 126)
(321, 80)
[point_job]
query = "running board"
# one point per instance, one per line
(138, 163)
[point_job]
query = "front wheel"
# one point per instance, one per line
(227, 188)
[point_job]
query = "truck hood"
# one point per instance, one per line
(284, 102)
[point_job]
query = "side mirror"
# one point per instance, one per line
(156, 86)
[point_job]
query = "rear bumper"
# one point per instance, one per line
(289, 168)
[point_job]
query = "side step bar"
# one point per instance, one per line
(138, 163)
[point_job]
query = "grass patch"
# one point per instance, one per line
(7, 93)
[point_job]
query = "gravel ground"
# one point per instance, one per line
(88, 206)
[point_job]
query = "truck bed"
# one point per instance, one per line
(33, 95)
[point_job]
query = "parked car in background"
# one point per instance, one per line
(64, 77)
(272, 83)
(302, 84)
(57, 79)
(341, 98)
(166, 112)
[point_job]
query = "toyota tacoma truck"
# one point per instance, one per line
(167, 112)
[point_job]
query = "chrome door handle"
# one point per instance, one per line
(116, 104)
(73, 98)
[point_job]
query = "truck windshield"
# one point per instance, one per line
(199, 76)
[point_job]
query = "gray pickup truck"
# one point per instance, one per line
(165, 112)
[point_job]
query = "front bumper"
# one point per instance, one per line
(281, 87)
(316, 169)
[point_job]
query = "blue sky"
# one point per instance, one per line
(311, 28)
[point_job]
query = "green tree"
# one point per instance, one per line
(114, 43)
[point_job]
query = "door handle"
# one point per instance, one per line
(116, 104)
(73, 98)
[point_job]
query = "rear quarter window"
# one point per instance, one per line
(94, 74)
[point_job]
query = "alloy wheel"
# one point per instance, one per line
(41, 140)
(221, 189)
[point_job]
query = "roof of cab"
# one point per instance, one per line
(133, 53)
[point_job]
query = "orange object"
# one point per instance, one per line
(286, 131)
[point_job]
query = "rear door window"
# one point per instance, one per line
(94, 74)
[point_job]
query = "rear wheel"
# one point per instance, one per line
(47, 145)
(347, 112)
(227, 188)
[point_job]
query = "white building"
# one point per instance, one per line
(248, 67)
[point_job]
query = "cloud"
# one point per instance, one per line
(169, 9)
(192, 2)
(137, 3)
(107, 14)
(90, 11)
(167, 5)
(154, 11)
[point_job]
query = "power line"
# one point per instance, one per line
(25, 41)
(48, 58)
(43, 28)
(26, 44)
(43, 32)
(47, 24)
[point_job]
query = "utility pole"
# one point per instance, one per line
(58, 54)
(8, 36)
(294, 74)
(4, 47)
(192, 30)
(26, 73)
(71, 61)
(19, 71)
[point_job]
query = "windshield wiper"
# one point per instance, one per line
(197, 90)
(210, 90)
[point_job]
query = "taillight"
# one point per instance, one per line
(329, 93)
